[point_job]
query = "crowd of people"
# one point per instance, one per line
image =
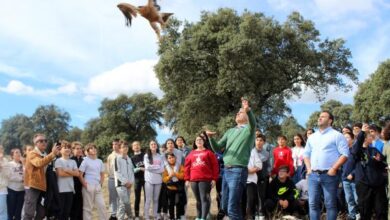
(320, 172)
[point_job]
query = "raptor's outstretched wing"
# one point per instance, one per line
(129, 11)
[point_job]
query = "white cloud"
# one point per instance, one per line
(373, 51)
(13, 71)
(19, 88)
(309, 97)
(129, 78)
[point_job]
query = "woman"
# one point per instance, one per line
(297, 155)
(154, 166)
(15, 197)
(201, 172)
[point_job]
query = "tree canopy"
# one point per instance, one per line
(342, 114)
(372, 100)
(128, 118)
(16, 132)
(207, 66)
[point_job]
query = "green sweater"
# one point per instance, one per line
(237, 143)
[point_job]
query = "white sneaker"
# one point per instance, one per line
(136, 218)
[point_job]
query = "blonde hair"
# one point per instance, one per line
(76, 143)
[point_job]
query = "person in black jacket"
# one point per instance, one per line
(370, 181)
(77, 205)
(282, 193)
(139, 170)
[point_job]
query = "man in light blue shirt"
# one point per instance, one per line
(325, 152)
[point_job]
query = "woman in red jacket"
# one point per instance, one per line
(201, 172)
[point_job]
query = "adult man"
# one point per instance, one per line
(34, 177)
(236, 143)
(112, 193)
(325, 152)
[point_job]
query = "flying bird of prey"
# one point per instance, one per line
(149, 11)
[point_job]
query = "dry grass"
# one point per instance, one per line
(191, 205)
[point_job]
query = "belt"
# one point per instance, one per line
(233, 166)
(320, 171)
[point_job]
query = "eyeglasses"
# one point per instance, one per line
(41, 141)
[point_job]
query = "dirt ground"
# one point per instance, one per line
(191, 205)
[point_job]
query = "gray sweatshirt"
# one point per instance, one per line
(123, 171)
(153, 171)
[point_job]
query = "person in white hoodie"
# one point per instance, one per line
(154, 167)
(4, 176)
(124, 180)
(15, 197)
(255, 165)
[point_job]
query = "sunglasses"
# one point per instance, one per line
(41, 141)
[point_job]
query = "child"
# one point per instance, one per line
(77, 204)
(282, 156)
(66, 169)
(92, 182)
(281, 193)
(173, 177)
(139, 170)
(255, 165)
(124, 179)
(154, 166)
(15, 197)
(201, 172)
(303, 201)
(369, 178)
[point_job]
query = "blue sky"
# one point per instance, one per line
(75, 53)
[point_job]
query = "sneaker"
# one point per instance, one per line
(113, 218)
(136, 218)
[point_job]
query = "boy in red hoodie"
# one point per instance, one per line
(282, 156)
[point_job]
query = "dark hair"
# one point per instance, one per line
(184, 140)
(350, 135)
(149, 152)
(375, 128)
(358, 124)
(349, 128)
(303, 142)
(170, 154)
(386, 132)
(13, 151)
(284, 167)
(262, 136)
(307, 130)
(283, 137)
(205, 141)
(331, 117)
(115, 140)
(174, 143)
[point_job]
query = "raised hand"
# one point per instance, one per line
(210, 133)
(245, 104)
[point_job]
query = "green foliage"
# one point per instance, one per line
(205, 68)
(74, 134)
(290, 127)
(16, 132)
(127, 118)
(51, 121)
(342, 114)
(372, 100)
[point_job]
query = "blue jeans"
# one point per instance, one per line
(351, 198)
(233, 185)
(3, 206)
(323, 184)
